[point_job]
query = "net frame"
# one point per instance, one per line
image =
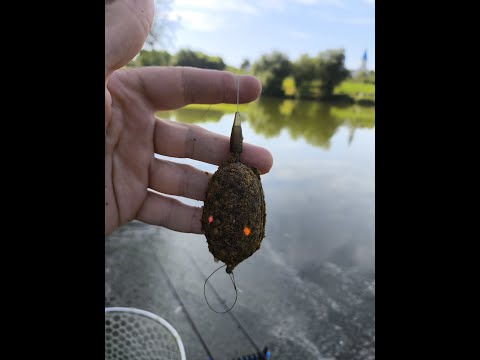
(155, 318)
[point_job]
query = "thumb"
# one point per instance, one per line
(127, 25)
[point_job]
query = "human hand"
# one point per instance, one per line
(133, 134)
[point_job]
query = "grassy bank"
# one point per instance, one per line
(361, 93)
(286, 107)
(348, 92)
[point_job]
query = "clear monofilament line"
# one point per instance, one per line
(238, 90)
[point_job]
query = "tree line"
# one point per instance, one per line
(183, 57)
(308, 77)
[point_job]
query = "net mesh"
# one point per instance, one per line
(137, 334)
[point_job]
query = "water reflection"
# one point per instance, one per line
(312, 121)
(320, 193)
(190, 116)
(310, 289)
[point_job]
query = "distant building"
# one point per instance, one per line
(363, 65)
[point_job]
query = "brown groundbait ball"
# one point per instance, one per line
(233, 218)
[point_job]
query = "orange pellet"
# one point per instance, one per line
(210, 219)
(246, 231)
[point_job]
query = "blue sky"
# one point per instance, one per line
(236, 30)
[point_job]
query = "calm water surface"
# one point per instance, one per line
(320, 191)
(309, 292)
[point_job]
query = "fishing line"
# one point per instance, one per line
(189, 318)
(238, 90)
(205, 113)
(232, 277)
(209, 106)
(232, 315)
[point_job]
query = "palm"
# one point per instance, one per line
(133, 134)
(128, 154)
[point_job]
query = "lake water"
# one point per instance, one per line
(309, 292)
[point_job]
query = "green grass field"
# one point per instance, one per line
(227, 108)
(356, 90)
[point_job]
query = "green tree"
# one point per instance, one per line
(365, 76)
(163, 27)
(186, 57)
(152, 58)
(161, 34)
(331, 70)
(245, 65)
(304, 72)
(271, 69)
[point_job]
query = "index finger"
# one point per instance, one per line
(180, 140)
(171, 87)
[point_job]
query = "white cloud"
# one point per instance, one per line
(198, 21)
(250, 7)
(335, 3)
(212, 15)
(209, 15)
(356, 20)
(216, 6)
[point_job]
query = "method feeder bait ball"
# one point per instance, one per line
(233, 218)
